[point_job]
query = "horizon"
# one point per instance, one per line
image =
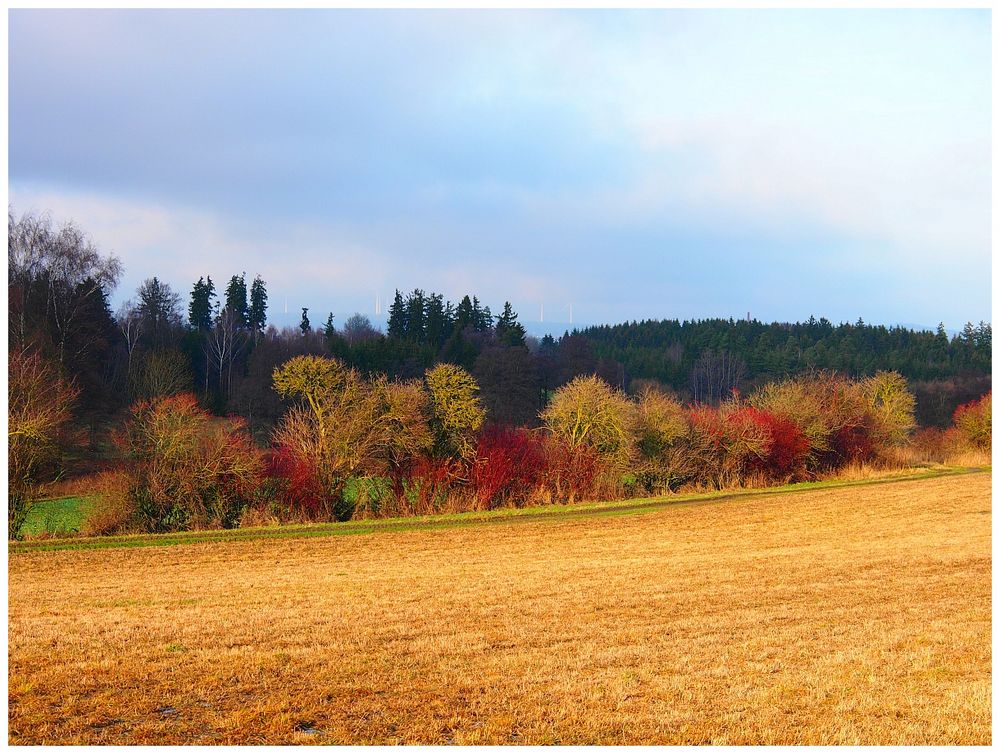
(557, 328)
(630, 163)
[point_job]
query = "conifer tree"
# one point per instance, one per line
(508, 330)
(258, 305)
(465, 313)
(304, 325)
(436, 322)
(201, 309)
(415, 316)
(236, 300)
(397, 317)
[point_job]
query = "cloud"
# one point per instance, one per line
(644, 163)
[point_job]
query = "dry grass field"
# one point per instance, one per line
(855, 616)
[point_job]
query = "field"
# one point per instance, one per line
(856, 615)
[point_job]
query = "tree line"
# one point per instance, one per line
(452, 408)
(217, 343)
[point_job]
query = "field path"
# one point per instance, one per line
(857, 615)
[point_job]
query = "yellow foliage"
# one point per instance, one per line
(892, 406)
(587, 412)
(456, 411)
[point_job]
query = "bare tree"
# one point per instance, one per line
(358, 328)
(163, 373)
(715, 375)
(38, 406)
(129, 322)
(223, 344)
(51, 274)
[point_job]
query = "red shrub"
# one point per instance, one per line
(784, 447)
(299, 489)
(852, 444)
(509, 463)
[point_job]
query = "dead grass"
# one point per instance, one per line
(858, 471)
(857, 615)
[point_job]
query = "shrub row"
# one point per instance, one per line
(349, 446)
(785, 431)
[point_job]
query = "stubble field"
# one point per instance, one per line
(858, 616)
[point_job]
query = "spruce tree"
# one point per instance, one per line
(434, 320)
(415, 316)
(236, 299)
(465, 313)
(477, 315)
(397, 317)
(258, 305)
(508, 330)
(304, 324)
(213, 301)
(200, 308)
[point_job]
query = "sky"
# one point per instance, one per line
(642, 164)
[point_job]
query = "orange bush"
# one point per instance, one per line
(974, 422)
(185, 469)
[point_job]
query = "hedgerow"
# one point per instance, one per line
(356, 446)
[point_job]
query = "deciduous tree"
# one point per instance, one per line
(456, 411)
(587, 412)
(38, 407)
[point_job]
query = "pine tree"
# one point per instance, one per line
(485, 320)
(397, 317)
(329, 331)
(304, 324)
(508, 330)
(258, 305)
(200, 310)
(436, 323)
(984, 337)
(477, 315)
(449, 320)
(415, 316)
(465, 313)
(236, 299)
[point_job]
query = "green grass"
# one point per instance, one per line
(450, 520)
(58, 517)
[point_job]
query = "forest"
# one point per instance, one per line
(446, 388)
